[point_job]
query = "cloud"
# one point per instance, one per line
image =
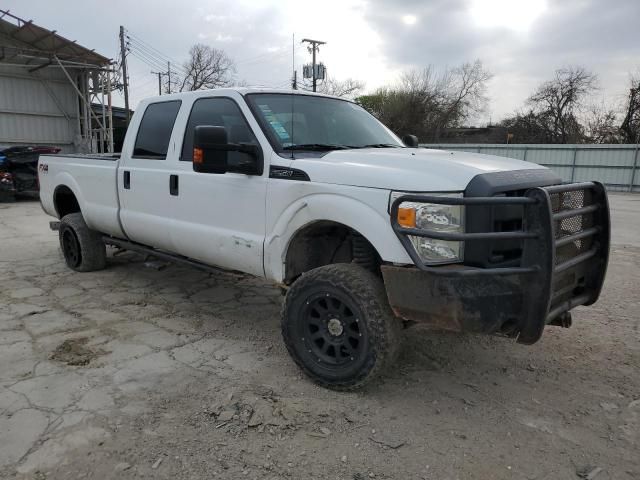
(372, 40)
(602, 37)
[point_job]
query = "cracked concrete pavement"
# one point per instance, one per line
(174, 373)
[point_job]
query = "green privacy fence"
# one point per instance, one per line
(617, 166)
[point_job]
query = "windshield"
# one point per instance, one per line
(305, 122)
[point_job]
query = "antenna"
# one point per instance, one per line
(293, 58)
(293, 99)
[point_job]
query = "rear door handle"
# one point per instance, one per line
(173, 185)
(126, 180)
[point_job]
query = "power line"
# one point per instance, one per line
(151, 63)
(143, 51)
(154, 60)
(151, 47)
(159, 61)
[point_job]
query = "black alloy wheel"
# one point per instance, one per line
(331, 329)
(71, 248)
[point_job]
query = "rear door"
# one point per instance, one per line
(144, 177)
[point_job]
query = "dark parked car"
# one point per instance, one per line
(19, 171)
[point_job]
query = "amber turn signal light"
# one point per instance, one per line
(407, 217)
(198, 155)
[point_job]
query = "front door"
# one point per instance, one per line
(219, 219)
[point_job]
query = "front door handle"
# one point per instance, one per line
(126, 180)
(173, 185)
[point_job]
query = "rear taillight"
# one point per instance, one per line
(6, 178)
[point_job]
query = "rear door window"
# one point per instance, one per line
(154, 133)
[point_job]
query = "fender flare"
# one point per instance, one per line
(331, 207)
(64, 179)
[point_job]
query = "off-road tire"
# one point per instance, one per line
(83, 249)
(364, 295)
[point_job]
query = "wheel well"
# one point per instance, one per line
(64, 201)
(325, 243)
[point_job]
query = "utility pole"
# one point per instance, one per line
(125, 80)
(294, 81)
(313, 49)
(160, 74)
(168, 77)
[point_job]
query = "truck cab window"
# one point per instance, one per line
(155, 130)
(219, 112)
(300, 121)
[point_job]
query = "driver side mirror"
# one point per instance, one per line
(410, 141)
(211, 149)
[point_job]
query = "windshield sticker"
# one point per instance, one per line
(274, 122)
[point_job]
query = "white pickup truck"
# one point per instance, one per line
(366, 232)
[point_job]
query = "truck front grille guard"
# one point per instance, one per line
(565, 248)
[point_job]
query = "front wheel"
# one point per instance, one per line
(338, 326)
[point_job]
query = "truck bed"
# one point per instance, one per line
(92, 178)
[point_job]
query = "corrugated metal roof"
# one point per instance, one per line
(25, 36)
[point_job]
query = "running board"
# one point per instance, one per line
(170, 257)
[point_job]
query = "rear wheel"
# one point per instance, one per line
(338, 327)
(83, 249)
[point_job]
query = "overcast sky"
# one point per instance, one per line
(521, 42)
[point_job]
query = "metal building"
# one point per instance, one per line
(47, 86)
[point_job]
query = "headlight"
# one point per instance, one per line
(431, 216)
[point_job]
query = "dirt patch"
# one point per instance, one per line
(75, 352)
(196, 382)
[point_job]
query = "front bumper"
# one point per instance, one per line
(565, 247)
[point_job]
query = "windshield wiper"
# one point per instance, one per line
(377, 145)
(316, 146)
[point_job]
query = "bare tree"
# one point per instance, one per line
(425, 102)
(207, 67)
(630, 127)
(467, 88)
(601, 125)
(558, 101)
(347, 88)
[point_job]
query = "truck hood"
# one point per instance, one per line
(405, 169)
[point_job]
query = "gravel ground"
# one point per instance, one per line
(140, 372)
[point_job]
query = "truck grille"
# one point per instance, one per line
(509, 218)
(495, 218)
(577, 231)
(566, 202)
